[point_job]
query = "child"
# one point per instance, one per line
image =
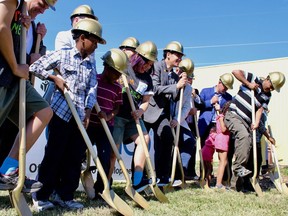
(221, 143)
(61, 166)
(207, 154)
(109, 98)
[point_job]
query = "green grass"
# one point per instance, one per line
(190, 201)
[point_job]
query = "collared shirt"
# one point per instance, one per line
(80, 76)
(64, 39)
(241, 104)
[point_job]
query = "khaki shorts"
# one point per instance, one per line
(125, 128)
(9, 103)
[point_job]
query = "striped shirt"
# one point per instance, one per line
(80, 76)
(108, 97)
(241, 103)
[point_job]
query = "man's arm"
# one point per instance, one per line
(7, 9)
(240, 75)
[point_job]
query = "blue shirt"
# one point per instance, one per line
(80, 76)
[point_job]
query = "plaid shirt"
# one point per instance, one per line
(80, 76)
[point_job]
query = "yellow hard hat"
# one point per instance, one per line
(90, 26)
(148, 50)
(51, 4)
(227, 79)
(116, 59)
(83, 10)
(277, 80)
(174, 46)
(130, 42)
(187, 65)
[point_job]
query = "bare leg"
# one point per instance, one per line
(34, 128)
(139, 156)
(221, 168)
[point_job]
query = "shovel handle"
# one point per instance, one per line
(140, 132)
(113, 145)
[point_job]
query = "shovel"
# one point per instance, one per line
(108, 195)
(202, 180)
(153, 186)
(254, 180)
(275, 175)
(87, 178)
(17, 197)
(128, 189)
(176, 152)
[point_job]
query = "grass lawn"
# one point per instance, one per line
(190, 201)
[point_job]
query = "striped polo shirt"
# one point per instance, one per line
(241, 103)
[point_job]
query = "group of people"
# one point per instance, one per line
(225, 122)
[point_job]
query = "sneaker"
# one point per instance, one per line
(243, 172)
(176, 183)
(70, 204)
(41, 205)
(142, 185)
(221, 187)
(163, 182)
(11, 180)
(191, 178)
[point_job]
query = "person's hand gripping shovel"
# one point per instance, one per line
(176, 152)
(150, 171)
(108, 195)
(253, 179)
(16, 195)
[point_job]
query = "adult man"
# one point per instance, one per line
(187, 142)
(166, 86)
(239, 118)
(38, 112)
(210, 97)
(34, 7)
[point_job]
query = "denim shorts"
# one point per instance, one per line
(125, 128)
(9, 106)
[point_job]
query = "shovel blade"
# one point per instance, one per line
(256, 186)
(159, 194)
(137, 197)
(88, 183)
(116, 202)
(20, 204)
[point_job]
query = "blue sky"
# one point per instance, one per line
(211, 31)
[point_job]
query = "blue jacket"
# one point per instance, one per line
(207, 110)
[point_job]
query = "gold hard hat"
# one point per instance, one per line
(51, 4)
(277, 80)
(148, 50)
(130, 42)
(91, 26)
(227, 79)
(174, 46)
(116, 59)
(187, 65)
(83, 10)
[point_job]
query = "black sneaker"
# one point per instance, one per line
(142, 185)
(163, 181)
(243, 172)
(11, 180)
